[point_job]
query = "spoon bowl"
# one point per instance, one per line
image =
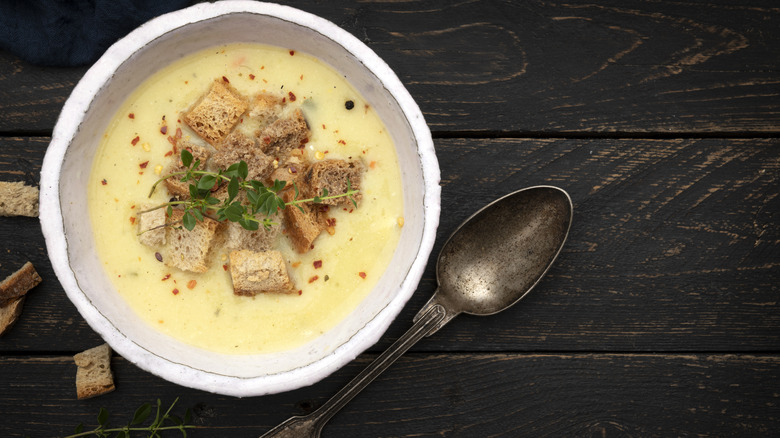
(488, 264)
(502, 251)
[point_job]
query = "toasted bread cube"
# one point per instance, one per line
(188, 250)
(151, 228)
(239, 147)
(18, 199)
(259, 272)
(303, 224)
(19, 283)
(263, 239)
(332, 175)
(174, 184)
(9, 312)
(284, 135)
(266, 108)
(93, 376)
(216, 113)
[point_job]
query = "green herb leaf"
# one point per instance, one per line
(186, 157)
(233, 188)
(207, 182)
(141, 414)
(189, 221)
(243, 169)
(102, 417)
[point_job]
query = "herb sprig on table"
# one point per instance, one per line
(162, 421)
(262, 200)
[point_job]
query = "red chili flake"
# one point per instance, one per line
(172, 140)
(267, 140)
(135, 140)
(292, 96)
(342, 142)
(292, 52)
(362, 274)
(164, 129)
(158, 256)
(169, 153)
(296, 264)
(225, 267)
(284, 99)
(191, 284)
(176, 291)
(331, 221)
(167, 276)
(131, 115)
(301, 77)
(143, 165)
(132, 219)
(313, 279)
(251, 76)
(304, 140)
(317, 264)
(104, 182)
(323, 126)
(225, 79)
(300, 292)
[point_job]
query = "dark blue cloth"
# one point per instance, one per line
(72, 32)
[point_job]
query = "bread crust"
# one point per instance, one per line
(216, 113)
(18, 199)
(93, 375)
(18, 283)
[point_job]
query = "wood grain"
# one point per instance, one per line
(673, 244)
(454, 395)
(534, 67)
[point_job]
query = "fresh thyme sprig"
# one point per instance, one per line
(263, 201)
(162, 421)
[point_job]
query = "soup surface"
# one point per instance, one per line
(331, 279)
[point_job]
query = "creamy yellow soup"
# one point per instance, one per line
(201, 309)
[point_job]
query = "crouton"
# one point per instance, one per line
(303, 224)
(18, 199)
(150, 227)
(266, 108)
(216, 113)
(93, 376)
(238, 147)
(188, 250)
(259, 272)
(237, 237)
(332, 175)
(284, 135)
(9, 312)
(18, 283)
(177, 187)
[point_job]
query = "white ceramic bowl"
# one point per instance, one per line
(85, 116)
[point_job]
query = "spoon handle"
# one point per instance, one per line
(311, 425)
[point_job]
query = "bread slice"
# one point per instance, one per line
(93, 376)
(9, 313)
(303, 224)
(18, 283)
(150, 227)
(174, 184)
(239, 147)
(284, 135)
(259, 272)
(216, 113)
(18, 199)
(333, 175)
(188, 250)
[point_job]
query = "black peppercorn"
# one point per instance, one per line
(349, 104)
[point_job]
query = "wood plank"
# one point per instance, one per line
(687, 225)
(465, 395)
(490, 66)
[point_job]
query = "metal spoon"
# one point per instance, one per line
(488, 264)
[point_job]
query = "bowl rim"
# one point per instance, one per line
(69, 123)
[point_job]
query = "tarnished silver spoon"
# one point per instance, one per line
(488, 264)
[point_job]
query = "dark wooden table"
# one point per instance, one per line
(660, 318)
